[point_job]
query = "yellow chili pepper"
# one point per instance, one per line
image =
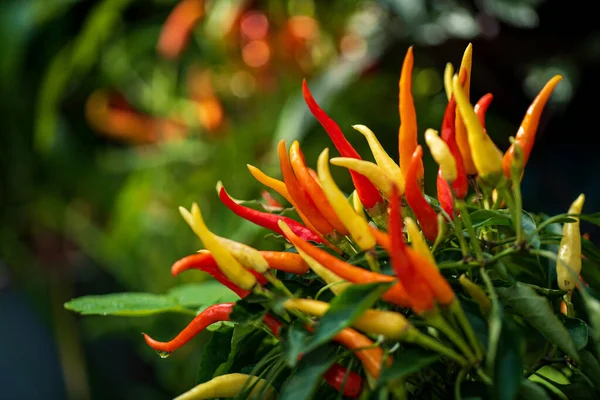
(390, 324)
(448, 74)
(442, 155)
(568, 265)
(230, 385)
(477, 294)
(231, 267)
(486, 156)
(248, 256)
(407, 133)
(356, 225)
(417, 240)
(387, 164)
(358, 206)
(366, 168)
(462, 139)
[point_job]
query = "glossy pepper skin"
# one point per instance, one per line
(425, 214)
(525, 136)
(229, 385)
(482, 106)
(367, 192)
(349, 383)
(267, 220)
(568, 265)
(407, 133)
(462, 138)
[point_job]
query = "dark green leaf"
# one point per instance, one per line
(590, 366)
(593, 309)
(529, 228)
(295, 342)
(406, 363)
(535, 310)
(123, 304)
(532, 391)
(593, 218)
(202, 294)
(490, 217)
(344, 309)
(508, 363)
(578, 331)
(215, 352)
(307, 375)
(247, 311)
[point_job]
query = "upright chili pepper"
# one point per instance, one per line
(477, 294)
(312, 186)
(444, 193)
(356, 225)
(230, 385)
(526, 134)
(482, 106)
(269, 199)
(267, 220)
(227, 263)
(425, 214)
(349, 272)
(448, 133)
(369, 195)
(387, 164)
(462, 138)
(421, 297)
(302, 200)
(417, 240)
(568, 264)
(177, 29)
(447, 172)
(486, 156)
(439, 286)
(407, 134)
(372, 171)
(448, 74)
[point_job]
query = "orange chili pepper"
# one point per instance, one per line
(526, 134)
(269, 199)
(303, 202)
(177, 29)
(348, 271)
(425, 214)
(442, 291)
(382, 238)
(416, 287)
(312, 186)
(407, 133)
(482, 106)
(368, 193)
(371, 358)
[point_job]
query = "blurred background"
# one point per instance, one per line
(115, 112)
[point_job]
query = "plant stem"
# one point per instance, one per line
(277, 283)
(416, 337)
(464, 214)
(437, 321)
(464, 323)
(372, 261)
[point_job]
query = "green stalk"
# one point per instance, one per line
(438, 322)
(416, 337)
(464, 214)
(459, 313)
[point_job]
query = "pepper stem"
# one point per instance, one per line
(436, 321)
(457, 310)
(464, 214)
(415, 336)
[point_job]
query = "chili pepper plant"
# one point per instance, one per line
(388, 292)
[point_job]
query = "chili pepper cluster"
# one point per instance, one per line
(387, 213)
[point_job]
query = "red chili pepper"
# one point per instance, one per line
(349, 272)
(425, 214)
(367, 192)
(269, 199)
(414, 284)
(448, 134)
(335, 377)
(267, 220)
(439, 286)
(482, 106)
(445, 195)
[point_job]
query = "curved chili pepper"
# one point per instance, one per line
(227, 263)
(425, 214)
(416, 288)
(462, 138)
(177, 29)
(372, 171)
(368, 193)
(482, 106)
(525, 137)
(448, 74)
(439, 286)
(211, 315)
(248, 256)
(417, 240)
(230, 385)
(356, 225)
(313, 188)
(442, 155)
(300, 197)
(349, 383)
(382, 238)
(269, 199)
(444, 194)
(568, 265)
(349, 272)
(371, 357)
(335, 283)
(477, 294)
(267, 220)
(407, 133)
(461, 185)
(486, 156)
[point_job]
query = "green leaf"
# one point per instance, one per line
(532, 391)
(590, 366)
(593, 218)
(123, 304)
(406, 363)
(578, 331)
(248, 310)
(295, 342)
(481, 218)
(344, 309)
(214, 353)
(535, 310)
(508, 363)
(304, 380)
(530, 228)
(593, 309)
(202, 294)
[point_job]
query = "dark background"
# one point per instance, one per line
(86, 213)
